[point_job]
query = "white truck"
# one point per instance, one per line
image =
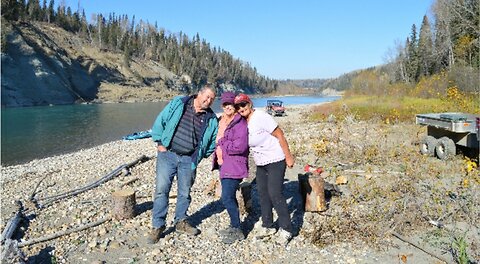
(447, 130)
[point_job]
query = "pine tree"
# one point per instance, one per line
(412, 55)
(425, 48)
(51, 12)
(34, 10)
(10, 9)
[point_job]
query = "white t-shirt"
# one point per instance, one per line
(265, 148)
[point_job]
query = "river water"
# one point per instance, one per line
(30, 133)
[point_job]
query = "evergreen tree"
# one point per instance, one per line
(44, 11)
(412, 55)
(10, 9)
(34, 10)
(51, 12)
(425, 48)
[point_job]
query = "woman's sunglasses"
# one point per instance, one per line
(242, 104)
(226, 104)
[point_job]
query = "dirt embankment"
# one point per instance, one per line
(44, 65)
(387, 189)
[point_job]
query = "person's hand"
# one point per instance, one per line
(290, 161)
(161, 148)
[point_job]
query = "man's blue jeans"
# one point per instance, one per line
(170, 164)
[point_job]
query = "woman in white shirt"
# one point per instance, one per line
(271, 155)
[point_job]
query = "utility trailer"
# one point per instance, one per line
(447, 130)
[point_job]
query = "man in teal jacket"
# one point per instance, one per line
(185, 133)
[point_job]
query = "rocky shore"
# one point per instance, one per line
(124, 241)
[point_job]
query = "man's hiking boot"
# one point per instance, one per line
(233, 234)
(185, 228)
(155, 234)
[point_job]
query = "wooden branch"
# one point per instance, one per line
(395, 234)
(62, 233)
(128, 182)
(51, 199)
(363, 172)
(32, 196)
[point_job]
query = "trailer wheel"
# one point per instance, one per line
(445, 148)
(427, 146)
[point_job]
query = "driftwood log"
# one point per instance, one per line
(118, 171)
(12, 224)
(243, 194)
(123, 204)
(313, 192)
(63, 233)
(11, 253)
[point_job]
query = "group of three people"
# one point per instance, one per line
(187, 130)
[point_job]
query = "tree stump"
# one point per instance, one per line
(243, 194)
(244, 197)
(214, 188)
(124, 204)
(313, 192)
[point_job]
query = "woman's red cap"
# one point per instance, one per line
(242, 98)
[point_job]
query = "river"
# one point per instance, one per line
(30, 133)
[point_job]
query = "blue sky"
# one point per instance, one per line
(283, 39)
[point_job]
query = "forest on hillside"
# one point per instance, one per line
(179, 53)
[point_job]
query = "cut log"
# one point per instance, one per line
(218, 190)
(243, 194)
(124, 204)
(11, 253)
(214, 188)
(12, 224)
(313, 192)
(244, 198)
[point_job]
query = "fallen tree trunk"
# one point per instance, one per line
(51, 199)
(11, 253)
(12, 223)
(62, 233)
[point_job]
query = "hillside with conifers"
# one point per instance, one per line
(436, 69)
(54, 56)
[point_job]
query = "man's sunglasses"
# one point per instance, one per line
(242, 104)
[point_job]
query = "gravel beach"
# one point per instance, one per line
(124, 241)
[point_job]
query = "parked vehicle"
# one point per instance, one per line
(446, 131)
(275, 108)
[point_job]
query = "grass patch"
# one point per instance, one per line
(391, 109)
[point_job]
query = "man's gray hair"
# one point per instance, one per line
(208, 87)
